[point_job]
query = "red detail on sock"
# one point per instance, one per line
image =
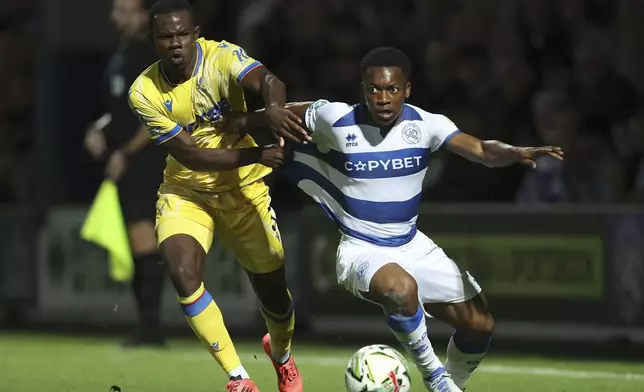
(196, 300)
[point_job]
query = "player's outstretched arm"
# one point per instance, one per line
(299, 109)
(243, 123)
(178, 143)
(183, 148)
(493, 153)
(281, 121)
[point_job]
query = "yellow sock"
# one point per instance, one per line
(281, 327)
(207, 322)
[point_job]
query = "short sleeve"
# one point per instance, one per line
(160, 127)
(312, 114)
(441, 130)
(235, 62)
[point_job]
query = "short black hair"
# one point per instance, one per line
(386, 56)
(168, 7)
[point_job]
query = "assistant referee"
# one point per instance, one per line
(134, 163)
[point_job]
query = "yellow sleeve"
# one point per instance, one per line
(234, 61)
(160, 127)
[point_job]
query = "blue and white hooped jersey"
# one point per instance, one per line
(369, 185)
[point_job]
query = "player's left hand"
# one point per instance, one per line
(116, 166)
(529, 155)
(235, 123)
(286, 124)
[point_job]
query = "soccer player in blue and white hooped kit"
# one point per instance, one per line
(365, 167)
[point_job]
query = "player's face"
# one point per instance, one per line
(174, 37)
(385, 90)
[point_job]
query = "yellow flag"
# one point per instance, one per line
(105, 226)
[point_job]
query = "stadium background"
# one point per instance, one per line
(560, 250)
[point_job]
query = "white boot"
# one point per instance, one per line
(441, 381)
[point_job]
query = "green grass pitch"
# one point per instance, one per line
(32, 363)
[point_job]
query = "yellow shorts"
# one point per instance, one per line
(243, 218)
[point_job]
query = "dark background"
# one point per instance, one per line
(525, 72)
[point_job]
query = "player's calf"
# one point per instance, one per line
(467, 348)
(397, 292)
(276, 306)
(184, 257)
(468, 345)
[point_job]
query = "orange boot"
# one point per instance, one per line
(245, 385)
(288, 376)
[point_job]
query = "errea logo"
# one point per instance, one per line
(351, 140)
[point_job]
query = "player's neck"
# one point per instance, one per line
(384, 129)
(178, 75)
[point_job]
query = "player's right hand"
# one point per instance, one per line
(273, 155)
(529, 155)
(95, 142)
(285, 124)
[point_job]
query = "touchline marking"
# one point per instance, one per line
(497, 369)
(336, 361)
(500, 369)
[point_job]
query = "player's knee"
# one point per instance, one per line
(400, 294)
(486, 325)
(185, 275)
(184, 257)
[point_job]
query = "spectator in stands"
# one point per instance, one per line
(556, 123)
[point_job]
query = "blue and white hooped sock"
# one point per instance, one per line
(412, 334)
(464, 357)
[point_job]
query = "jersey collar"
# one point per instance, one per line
(195, 71)
(199, 59)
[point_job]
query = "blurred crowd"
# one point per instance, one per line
(19, 45)
(522, 71)
(527, 72)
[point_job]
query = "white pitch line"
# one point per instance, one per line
(501, 369)
(336, 361)
(497, 369)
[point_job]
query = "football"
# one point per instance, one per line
(377, 368)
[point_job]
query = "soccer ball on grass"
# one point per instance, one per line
(377, 368)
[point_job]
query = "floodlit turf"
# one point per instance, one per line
(53, 363)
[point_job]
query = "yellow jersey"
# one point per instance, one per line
(195, 106)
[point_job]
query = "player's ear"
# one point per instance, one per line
(407, 90)
(197, 32)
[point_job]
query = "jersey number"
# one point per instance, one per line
(241, 55)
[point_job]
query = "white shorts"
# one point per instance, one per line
(438, 277)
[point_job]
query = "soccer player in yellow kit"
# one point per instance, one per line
(180, 100)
